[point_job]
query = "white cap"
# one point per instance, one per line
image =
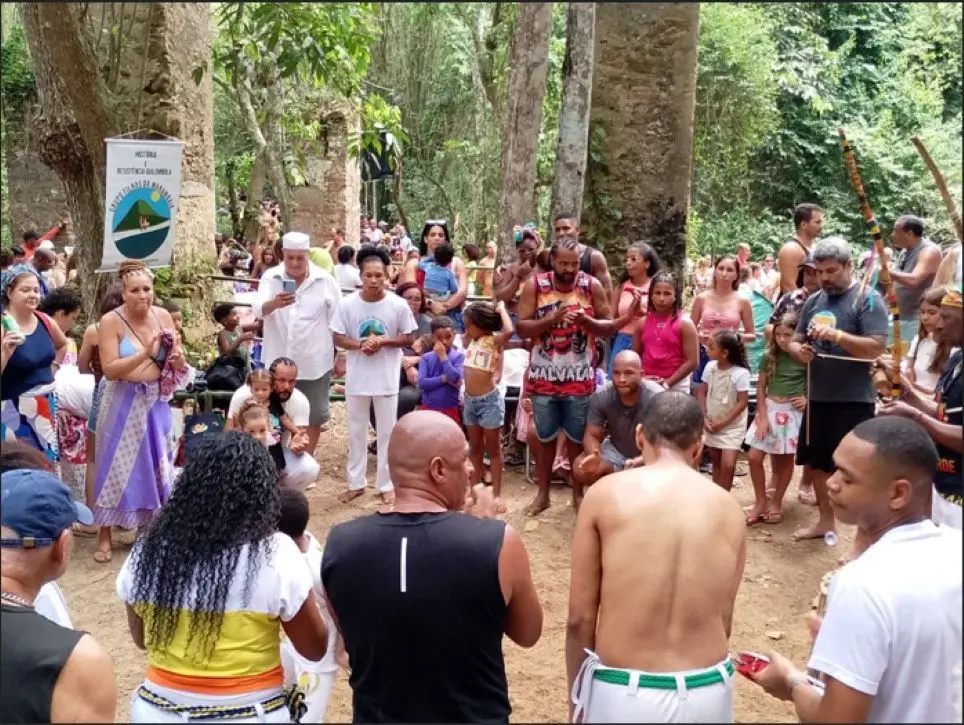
(295, 242)
(46, 244)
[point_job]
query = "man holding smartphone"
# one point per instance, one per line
(296, 300)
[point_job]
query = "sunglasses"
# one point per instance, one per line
(436, 223)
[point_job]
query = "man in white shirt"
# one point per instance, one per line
(297, 300)
(373, 325)
(890, 643)
(301, 468)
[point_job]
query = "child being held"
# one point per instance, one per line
(725, 398)
(259, 382)
(441, 283)
(440, 371)
(315, 679)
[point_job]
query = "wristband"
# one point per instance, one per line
(837, 336)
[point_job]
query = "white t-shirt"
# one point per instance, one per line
(348, 276)
(924, 350)
(50, 603)
(296, 407)
(893, 625)
(357, 319)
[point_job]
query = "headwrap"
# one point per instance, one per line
(11, 273)
(952, 297)
(295, 242)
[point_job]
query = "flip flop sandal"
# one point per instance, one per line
(103, 557)
(752, 520)
(773, 517)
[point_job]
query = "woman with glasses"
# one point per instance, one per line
(434, 234)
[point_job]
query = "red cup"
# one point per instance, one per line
(750, 663)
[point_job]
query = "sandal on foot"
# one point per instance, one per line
(102, 557)
(753, 519)
(772, 517)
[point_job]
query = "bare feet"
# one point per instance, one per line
(816, 531)
(539, 504)
(350, 495)
(388, 497)
(501, 508)
(806, 496)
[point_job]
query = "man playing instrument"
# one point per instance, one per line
(807, 224)
(941, 417)
(648, 636)
(839, 321)
(889, 646)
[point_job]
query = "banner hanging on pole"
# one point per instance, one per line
(143, 188)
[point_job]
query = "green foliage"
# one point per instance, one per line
(775, 83)
(17, 82)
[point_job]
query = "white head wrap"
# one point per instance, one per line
(295, 242)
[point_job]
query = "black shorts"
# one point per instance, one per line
(829, 424)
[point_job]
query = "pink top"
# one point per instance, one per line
(626, 299)
(662, 345)
(714, 320)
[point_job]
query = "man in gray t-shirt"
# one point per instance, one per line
(616, 409)
(844, 321)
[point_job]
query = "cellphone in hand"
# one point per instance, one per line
(288, 286)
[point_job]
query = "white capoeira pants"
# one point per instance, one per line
(357, 408)
(314, 678)
(683, 386)
(301, 469)
(145, 712)
(603, 694)
(945, 513)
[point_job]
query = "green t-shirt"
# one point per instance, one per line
(320, 258)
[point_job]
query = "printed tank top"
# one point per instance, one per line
(481, 354)
(561, 359)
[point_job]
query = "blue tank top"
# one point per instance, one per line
(29, 366)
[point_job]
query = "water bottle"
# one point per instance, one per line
(11, 327)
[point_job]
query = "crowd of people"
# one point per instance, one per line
(617, 389)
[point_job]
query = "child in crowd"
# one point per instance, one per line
(259, 382)
(487, 330)
(314, 678)
(176, 316)
(440, 281)
(927, 355)
(234, 338)
(667, 341)
(781, 400)
(724, 397)
(440, 371)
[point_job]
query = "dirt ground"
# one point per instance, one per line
(781, 579)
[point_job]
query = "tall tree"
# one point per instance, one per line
(520, 135)
(73, 121)
(643, 98)
(573, 144)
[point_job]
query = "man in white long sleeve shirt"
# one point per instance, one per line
(297, 300)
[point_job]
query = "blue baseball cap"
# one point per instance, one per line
(37, 506)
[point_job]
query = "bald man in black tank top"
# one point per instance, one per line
(423, 593)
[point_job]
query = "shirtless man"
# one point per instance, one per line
(808, 225)
(670, 611)
(591, 261)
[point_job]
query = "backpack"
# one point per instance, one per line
(226, 373)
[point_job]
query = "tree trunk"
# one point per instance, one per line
(274, 137)
(572, 148)
(72, 123)
(252, 208)
(529, 56)
(643, 97)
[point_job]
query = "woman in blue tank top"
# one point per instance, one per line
(26, 374)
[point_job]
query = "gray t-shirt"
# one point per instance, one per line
(607, 411)
(842, 381)
(908, 298)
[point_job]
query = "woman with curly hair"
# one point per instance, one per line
(143, 364)
(210, 587)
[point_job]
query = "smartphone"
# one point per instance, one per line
(750, 663)
(288, 286)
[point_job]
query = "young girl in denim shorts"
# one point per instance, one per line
(487, 330)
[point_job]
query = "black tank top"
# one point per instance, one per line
(585, 261)
(418, 601)
(33, 651)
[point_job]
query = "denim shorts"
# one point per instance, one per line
(566, 413)
(486, 411)
(613, 458)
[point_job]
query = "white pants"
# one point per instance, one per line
(301, 469)
(604, 702)
(145, 712)
(357, 408)
(945, 513)
(683, 386)
(315, 678)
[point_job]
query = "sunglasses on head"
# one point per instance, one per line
(436, 223)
